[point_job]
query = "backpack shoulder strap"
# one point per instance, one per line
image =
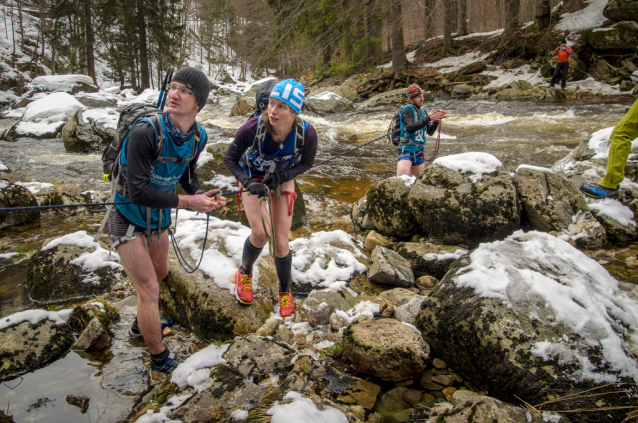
(260, 135)
(300, 138)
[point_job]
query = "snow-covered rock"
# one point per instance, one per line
(64, 83)
(327, 102)
(534, 317)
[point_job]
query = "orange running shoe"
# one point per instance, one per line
(286, 306)
(244, 288)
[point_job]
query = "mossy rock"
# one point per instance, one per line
(16, 196)
(388, 208)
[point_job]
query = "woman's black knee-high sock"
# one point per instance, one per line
(284, 268)
(249, 256)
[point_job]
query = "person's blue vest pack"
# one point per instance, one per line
(397, 134)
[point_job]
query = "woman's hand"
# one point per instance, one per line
(274, 180)
(257, 188)
(437, 116)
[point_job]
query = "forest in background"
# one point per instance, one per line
(132, 43)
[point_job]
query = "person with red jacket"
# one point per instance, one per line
(563, 64)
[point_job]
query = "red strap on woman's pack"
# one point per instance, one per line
(293, 198)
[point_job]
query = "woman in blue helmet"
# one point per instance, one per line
(268, 153)
(415, 124)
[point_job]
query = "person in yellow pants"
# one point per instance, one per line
(621, 137)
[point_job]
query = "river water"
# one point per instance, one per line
(515, 132)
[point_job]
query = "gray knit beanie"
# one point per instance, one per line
(196, 81)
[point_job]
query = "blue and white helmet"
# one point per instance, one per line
(290, 92)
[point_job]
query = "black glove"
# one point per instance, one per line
(257, 188)
(274, 180)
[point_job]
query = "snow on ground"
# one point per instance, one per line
(222, 182)
(506, 76)
(148, 96)
(454, 63)
(324, 259)
(445, 256)
(542, 169)
(7, 96)
(3, 167)
(614, 209)
(35, 316)
(89, 261)
(162, 415)
(599, 141)
(578, 293)
(475, 163)
(60, 83)
(195, 370)
(302, 409)
(34, 187)
(326, 95)
(589, 17)
(106, 117)
(17, 113)
(54, 107)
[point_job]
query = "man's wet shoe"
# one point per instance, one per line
(286, 305)
(169, 364)
(134, 330)
(600, 192)
(244, 287)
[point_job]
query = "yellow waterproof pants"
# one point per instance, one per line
(621, 137)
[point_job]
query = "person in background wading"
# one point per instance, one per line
(562, 66)
(150, 181)
(415, 124)
(266, 157)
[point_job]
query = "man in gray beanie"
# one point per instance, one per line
(150, 172)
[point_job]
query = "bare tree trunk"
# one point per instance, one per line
(543, 14)
(90, 40)
(399, 60)
(512, 8)
(21, 25)
(141, 25)
(462, 17)
(447, 27)
(373, 29)
(428, 22)
(43, 24)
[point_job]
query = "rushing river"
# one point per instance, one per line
(515, 132)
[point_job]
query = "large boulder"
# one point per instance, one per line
(86, 136)
(621, 10)
(71, 84)
(327, 102)
(534, 318)
(386, 348)
(16, 196)
(549, 200)
(430, 259)
(254, 356)
(389, 268)
(620, 36)
(388, 207)
(196, 301)
(465, 199)
(97, 100)
(32, 338)
(392, 98)
(70, 267)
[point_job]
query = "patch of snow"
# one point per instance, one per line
(302, 409)
(589, 17)
(526, 166)
(411, 55)
(614, 209)
(578, 293)
(38, 128)
(239, 415)
(445, 256)
(223, 182)
(148, 96)
(257, 83)
(7, 96)
(476, 163)
(54, 107)
(3, 168)
(454, 63)
(34, 187)
(599, 141)
(324, 259)
(89, 261)
(16, 113)
(60, 83)
(8, 255)
(481, 34)
(106, 117)
(35, 316)
(195, 370)
(407, 179)
(327, 95)
(162, 415)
